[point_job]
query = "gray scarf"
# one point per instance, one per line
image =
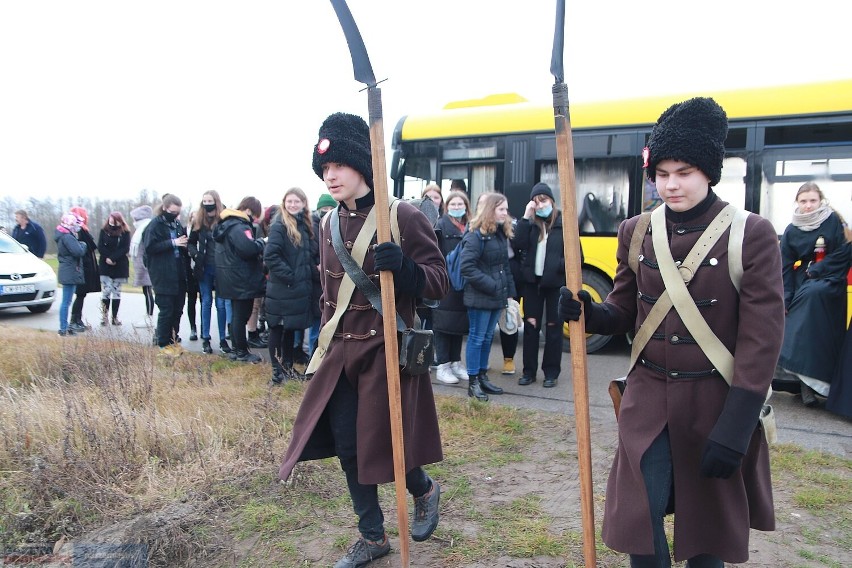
(810, 221)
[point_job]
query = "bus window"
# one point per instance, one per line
(784, 172)
(602, 190)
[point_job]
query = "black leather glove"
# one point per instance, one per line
(719, 461)
(388, 257)
(569, 308)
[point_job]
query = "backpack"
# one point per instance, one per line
(457, 281)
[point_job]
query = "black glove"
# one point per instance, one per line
(388, 257)
(719, 461)
(569, 308)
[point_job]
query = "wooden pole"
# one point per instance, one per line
(576, 329)
(380, 189)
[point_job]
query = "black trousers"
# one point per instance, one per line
(342, 413)
(240, 316)
(282, 346)
(539, 302)
(77, 306)
(168, 318)
(447, 347)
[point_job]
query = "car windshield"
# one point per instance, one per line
(10, 245)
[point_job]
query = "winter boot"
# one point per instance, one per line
(445, 374)
(115, 304)
(508, 366)
(487, 386)
(104, 312)
(474, 390)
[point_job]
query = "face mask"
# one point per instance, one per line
(209, 207)
(169, 217)
(545, 212)
(113, 225)
(457, 213)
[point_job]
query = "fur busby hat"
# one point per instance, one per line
(694, 132)
(344, 139)
(541, 189)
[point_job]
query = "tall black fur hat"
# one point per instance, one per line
(344, 139)
(694, 132)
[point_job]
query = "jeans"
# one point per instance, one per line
(313, 336)
(168, 318)
(67, 297)
(223, 307)
(342, 414)
(657, 472)
(447, 347)
(482, 324)
(541, 304)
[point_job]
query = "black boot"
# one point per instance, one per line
(255, 342)
(205, 346)
(474, 390)
(278, 376)
(104, 312)
(487, 386)
(115, 305)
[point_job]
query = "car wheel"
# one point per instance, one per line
(598, 287)
(39, 309)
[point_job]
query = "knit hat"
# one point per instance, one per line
(541, 189)
(344, 139)
(142, 212)
(326, 200)
(694, 132)
(69, 221)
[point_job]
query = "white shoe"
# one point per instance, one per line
(458, 370)
(445, 374)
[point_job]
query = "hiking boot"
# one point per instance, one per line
(474, 390)
(205, 346)
(224, 347)
(246, 356)
(549, 382)
(526, 380)
(363, 552)
(426, 513)
(445, 374)
(487, 386)
(508, 366)
(458, 370)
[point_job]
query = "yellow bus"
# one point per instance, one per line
(779, 138)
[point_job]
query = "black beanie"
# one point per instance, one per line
(541, 189)
(344, 139)
(694, 132)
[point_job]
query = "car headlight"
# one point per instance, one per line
(45, 272)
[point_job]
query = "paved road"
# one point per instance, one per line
(811, 428)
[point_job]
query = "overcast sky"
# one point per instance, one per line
(105, 98)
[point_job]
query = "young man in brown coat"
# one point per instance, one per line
(682, 429)
(345, 410)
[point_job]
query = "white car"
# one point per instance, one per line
(25, 280)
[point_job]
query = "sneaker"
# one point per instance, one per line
(445, 374)
(363, 552)
(426, 513)
(205, 346)
(459, 370)
(66, 332)
(247, 357)
(508, 366)
(224, 347)
(78, 327)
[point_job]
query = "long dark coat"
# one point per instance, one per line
(115, 247)
(840, 396)
(485, 267)
(291, 278)
(711, 515)
(166, 262)
(90, 264)
(358, 348)
(526, 240)
(239, 257)
(815, 297)
(451, 314)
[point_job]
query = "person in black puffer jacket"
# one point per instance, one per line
(114, 266)
(293, 274)
(239, 269)
(489, 285)
(164, 242)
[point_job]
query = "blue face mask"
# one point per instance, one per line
(545, 211)
(457, 213)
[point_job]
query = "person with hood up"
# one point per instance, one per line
(92, 281)
(141, 217)
(345, 411)
(165, 242)
(239, 270)
(681, 423)
(69, 252)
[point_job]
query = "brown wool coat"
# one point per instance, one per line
(358, 348)
(711, 515)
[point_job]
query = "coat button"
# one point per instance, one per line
(681, 231)
(675, 338)
(328, 303)
(351, 214)
(713, 262)
(372, 332)
(641, 257)
(348, 336)
(673, 374)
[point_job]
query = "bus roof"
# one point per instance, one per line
(510, 113)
